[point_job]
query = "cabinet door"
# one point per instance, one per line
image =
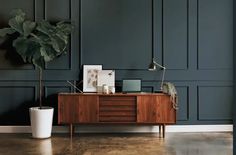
(68, 109)
(165, 110)
(146, 109)
(88, 109)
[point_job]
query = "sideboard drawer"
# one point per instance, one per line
(117, 109)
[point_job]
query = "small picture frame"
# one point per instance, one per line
(90, 77)
(106, 77)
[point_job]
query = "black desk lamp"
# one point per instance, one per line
(154, 65)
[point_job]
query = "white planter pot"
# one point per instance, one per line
(41, 121)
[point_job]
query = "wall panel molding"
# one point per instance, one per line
(9, 59)
(49, 90)
(215, 45)
(189, 37)
(215, 102)
(123, 30)
(175, 34)
(51, 13)
(15, 101)
(184, 100)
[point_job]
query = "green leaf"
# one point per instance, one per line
(46, 28)
(44, 38)
(17, 20)
(45, 55)
(38, 62)
(17, 24)
(33, 49)
(28, 27)
(38, 42)
(58, 35)
(21, 45)
(58, 44)
(55, 45)
(26, 48)
(37, 58)
(64, 27)
(48, 52)
(5, 31)
(18, 12)
(63, 30)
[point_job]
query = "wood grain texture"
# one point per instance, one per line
(118, 108)
(152, 109)
(68, 108)
(88, 111)
(166, 114)
(146, 109)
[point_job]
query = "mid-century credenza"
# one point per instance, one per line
(117, 109)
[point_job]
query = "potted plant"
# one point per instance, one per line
(38, 43)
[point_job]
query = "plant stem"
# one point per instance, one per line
(40, 88)
(35, 36)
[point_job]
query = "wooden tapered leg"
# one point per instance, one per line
(71, 130)
(163, 130)
(160, 130)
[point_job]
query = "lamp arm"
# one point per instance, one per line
(162, 79)
(159, 65)
(163, 74)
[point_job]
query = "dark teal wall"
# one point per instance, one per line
(234, 101)
(192, 38)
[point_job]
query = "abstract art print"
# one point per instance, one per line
(106, 77)
(90, 77)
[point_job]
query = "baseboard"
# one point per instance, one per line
(124, 129)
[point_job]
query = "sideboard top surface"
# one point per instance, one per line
(117, 94)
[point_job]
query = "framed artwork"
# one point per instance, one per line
(90, 76)
(105, 77)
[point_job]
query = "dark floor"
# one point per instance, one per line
(119, 144)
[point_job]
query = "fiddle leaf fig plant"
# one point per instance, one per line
(37, 42)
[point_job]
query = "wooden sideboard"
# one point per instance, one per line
(132, 108)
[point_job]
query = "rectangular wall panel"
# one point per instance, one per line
(175, 34)
(215, 102)
(9, 59)
(51, 100)
(183, 104)
(8, 5)
(59, 10)
(15, 103)
(215, 37)
(116, 33)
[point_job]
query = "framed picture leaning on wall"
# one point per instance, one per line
(106, 77)
(90, 76)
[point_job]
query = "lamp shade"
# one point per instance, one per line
(152, 66)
